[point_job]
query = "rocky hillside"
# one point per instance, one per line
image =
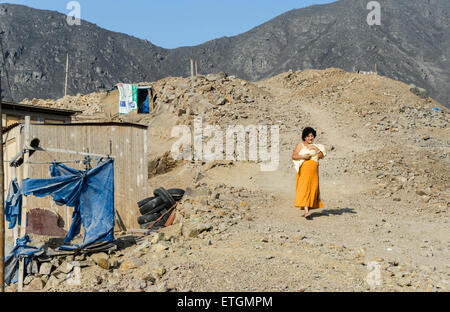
(385, 186)
(411, 45)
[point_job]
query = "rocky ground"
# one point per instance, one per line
(384, 184)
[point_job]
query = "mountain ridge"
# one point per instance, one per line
(411, 45)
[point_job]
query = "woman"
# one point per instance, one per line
(307, 194)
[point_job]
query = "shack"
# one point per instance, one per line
(134, 99)
(15, 112)
(66, 143)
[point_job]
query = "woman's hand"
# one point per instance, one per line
(306, 157)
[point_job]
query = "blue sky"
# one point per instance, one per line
(175, 23)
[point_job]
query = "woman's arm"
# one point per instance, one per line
(318, 151)
(296, 156)
(320, 154)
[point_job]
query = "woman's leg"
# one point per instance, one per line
(307, 212)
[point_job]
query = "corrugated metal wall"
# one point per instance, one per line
(129, 145)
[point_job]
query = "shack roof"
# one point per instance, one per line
(38, 109)
(81, 124)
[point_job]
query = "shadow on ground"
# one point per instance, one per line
(124, 242)
(332, 212)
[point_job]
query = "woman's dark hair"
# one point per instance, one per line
(307, 131)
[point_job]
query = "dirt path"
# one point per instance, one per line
(351, 216)
(275, 251)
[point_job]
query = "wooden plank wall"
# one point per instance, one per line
(129, 145)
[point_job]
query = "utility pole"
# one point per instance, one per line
(2, 201)
(67, 72)
(192, 75)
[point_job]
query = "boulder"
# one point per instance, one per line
(194, 230)
(160, 271)
(131, 263)
(65, 268)
(172, 231)
(35, 285)
(221, 101)
(53, 282)
(104, 264)
(157, 237)
(32, 267)
(420, 92)
(159, 248)
(27, 280)
(215, 77)
(46, 268)
(97, 256)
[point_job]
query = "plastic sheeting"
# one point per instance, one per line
(91, 193)
(127, 98)
(21, 250)
(13, 204)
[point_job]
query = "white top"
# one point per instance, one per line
(313, 153)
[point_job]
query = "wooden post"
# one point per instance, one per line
(23, 227)
(196, 69)
(68, 222)
(150, 98)
(19, 175)
(192, 75)
(16, 227)
(67, 72)
(376, 69)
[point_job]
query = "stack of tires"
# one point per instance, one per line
(153, 208)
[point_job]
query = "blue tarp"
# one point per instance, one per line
(145, 109)
(21, 250)
(91, 193)
(13, 204)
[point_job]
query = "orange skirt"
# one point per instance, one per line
(307, 193)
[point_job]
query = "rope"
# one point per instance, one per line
(60, 162)
(57, 162)
(162, 216)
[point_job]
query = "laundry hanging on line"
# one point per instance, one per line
(128, 98)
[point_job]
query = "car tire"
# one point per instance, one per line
(149, 217)
(162, 193)
(149, 208)
(144, 201)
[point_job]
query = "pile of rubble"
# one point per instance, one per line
(383, 104)
(205, 213)
(219, 98)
